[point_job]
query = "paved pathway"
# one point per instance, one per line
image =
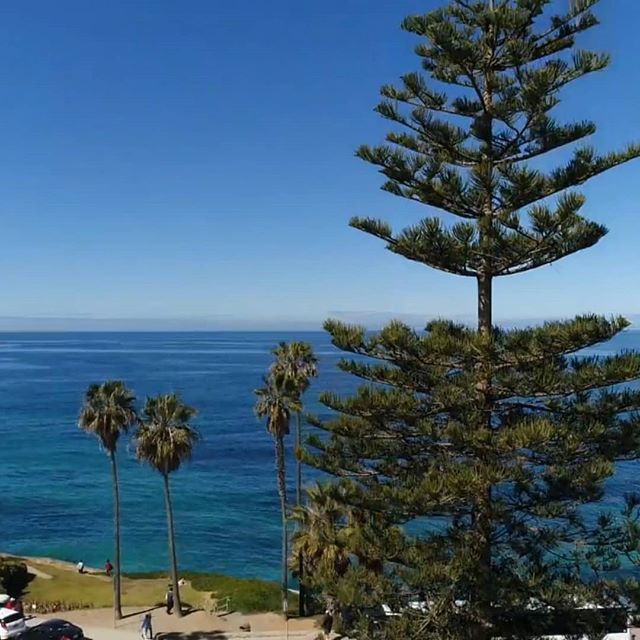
(130, 632)
(95, 633)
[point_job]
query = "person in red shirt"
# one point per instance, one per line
(108, 567)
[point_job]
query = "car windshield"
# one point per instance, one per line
(12, 617)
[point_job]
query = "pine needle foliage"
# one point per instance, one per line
(472, 452)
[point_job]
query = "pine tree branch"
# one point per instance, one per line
(561, 23)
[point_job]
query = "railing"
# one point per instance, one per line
(217, 605)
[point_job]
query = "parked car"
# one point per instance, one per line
(11, 623)
(54, 629)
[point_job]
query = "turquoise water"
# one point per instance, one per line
(56, 498)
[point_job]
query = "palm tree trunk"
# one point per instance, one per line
(302, 591)
(172, 547)
(117, 605)
(282, 491)
(298, 462)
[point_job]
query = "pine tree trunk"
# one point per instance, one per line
(117, 606)
(282, 491)
(302, 591)
(484, 508)
(172, 547)
(485, 312)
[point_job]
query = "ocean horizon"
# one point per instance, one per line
(57, 497)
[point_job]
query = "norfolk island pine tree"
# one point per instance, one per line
(497, 436)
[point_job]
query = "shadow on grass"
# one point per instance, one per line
(192, 635)
(15, 578)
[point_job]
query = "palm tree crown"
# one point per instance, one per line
(165, 439)
(320, 535)
(296, 362)
(108, 411)
(276, 401)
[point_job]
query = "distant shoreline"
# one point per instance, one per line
(47, 561)
(69, 565)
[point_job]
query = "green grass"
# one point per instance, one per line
(147, 589)
(247, 595)
(97, 590)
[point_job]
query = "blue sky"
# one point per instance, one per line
(180, 160)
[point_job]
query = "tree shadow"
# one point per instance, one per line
(15, 578)
(142, 611)
(192, 635)
(187, 610)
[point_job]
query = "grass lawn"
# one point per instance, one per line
(88, 590)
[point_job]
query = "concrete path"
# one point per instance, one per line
(129, 630)
(96, 633)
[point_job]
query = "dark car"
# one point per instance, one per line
(54, 630)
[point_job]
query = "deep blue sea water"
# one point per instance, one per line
(56, 497)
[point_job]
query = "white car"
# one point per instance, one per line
(12, 622)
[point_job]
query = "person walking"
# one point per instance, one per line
(327, 620)
(146, 632)
(80, 567)
(169, 599)
(108, 567)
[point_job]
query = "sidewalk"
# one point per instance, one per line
(98, 624)
(97, 633)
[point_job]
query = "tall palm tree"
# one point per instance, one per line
(297, 362)
(276, 402)
(165, 440)
(107, 412)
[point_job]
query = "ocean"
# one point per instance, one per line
(56, 482)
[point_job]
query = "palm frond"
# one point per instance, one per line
(296, 362)
(164, 438)
(276, 402)
(108, 411)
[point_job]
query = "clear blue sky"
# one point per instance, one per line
(166, 159)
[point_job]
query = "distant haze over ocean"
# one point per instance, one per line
(229, 322)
